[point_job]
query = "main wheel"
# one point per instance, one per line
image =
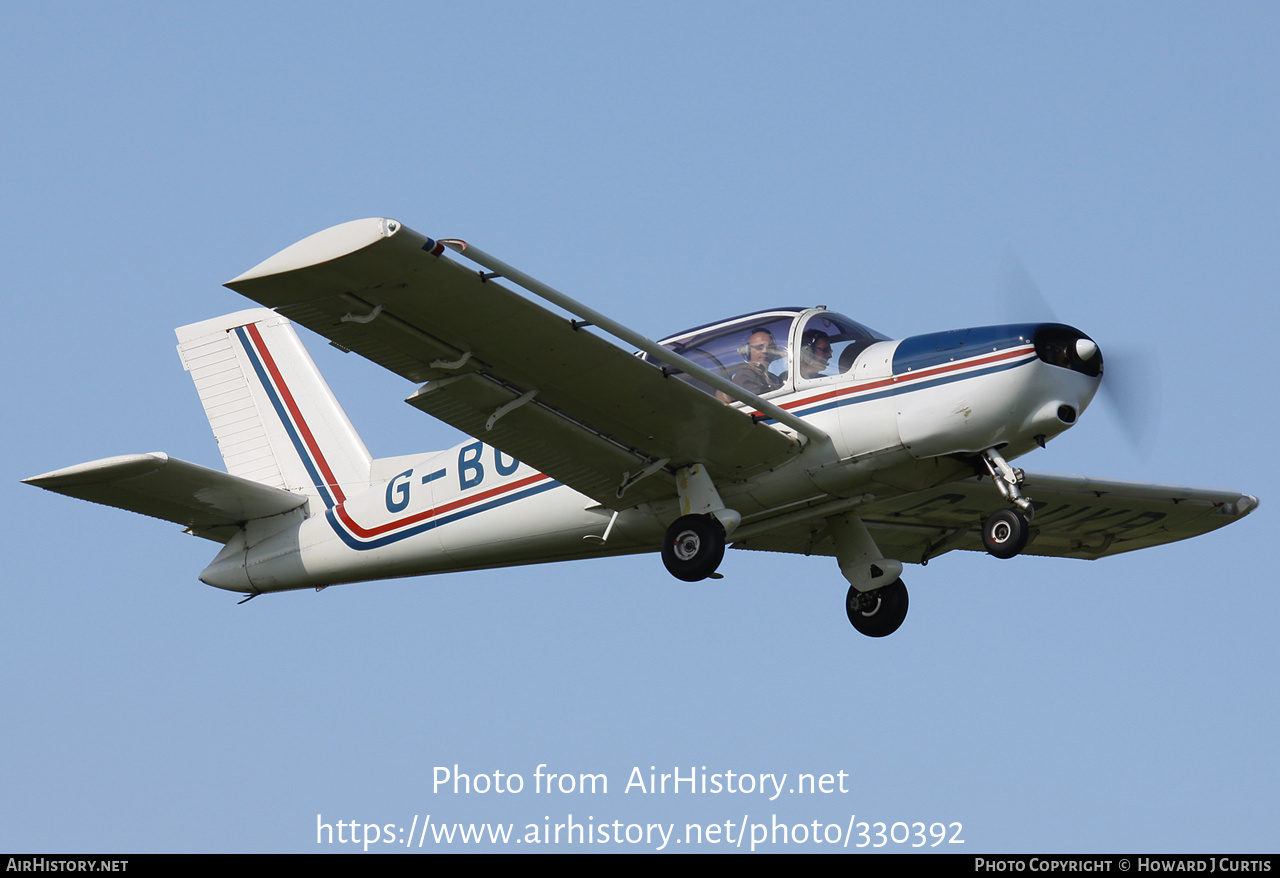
(1005, 532)
(877, 613)
(693, 547)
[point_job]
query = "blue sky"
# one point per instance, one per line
(667, 164)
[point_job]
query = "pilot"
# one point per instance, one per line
(754, 375)
(815, 353)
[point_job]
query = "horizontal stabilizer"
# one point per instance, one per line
(208, 502)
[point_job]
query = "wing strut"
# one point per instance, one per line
(498, 268)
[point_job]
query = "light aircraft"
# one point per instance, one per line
(787, 430)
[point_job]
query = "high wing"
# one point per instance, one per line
(208, 502)
(499, 367)
(1075, 517)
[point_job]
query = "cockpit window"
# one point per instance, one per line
(755, 350)
(751, 351)
(829, 343)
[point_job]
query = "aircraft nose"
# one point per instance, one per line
(1069, 348)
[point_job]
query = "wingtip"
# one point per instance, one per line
(324, 246)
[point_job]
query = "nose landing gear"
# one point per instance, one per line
(1005, 532)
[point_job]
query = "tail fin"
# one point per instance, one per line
(274, 416)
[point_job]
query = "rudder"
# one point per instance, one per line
(274, 417)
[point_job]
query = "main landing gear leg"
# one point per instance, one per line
(1005, 532)
(694, 544)
(876, 603)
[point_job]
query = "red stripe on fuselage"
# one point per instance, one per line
(313, 447)
(364, 533)
(910, 376)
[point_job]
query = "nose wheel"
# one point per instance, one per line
(1005, 532)
(877, 613)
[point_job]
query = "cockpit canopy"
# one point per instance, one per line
(769, 351)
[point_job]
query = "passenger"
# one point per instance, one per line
(815, 353)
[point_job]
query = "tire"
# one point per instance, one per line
(877, 613)
(693, 547)
(1005, 532)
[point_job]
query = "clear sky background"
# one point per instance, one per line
(667, 163)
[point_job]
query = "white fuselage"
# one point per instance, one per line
(473, 506)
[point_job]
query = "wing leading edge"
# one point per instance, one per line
(505, 369)
(1076, 517)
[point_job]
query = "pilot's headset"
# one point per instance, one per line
(771, 352)
(809, 342)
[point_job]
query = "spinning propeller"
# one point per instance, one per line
(1130, 382)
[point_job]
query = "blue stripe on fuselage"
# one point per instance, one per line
(909, 386)
(353, 543)
(298, 445)
(938, 348)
